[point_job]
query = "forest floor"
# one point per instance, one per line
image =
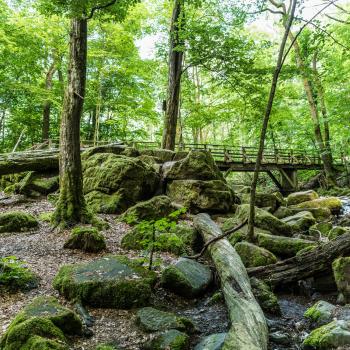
(42, 250)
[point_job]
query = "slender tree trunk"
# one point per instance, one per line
(47, 104)
(279, 64)
(176, 57)
(71, 208)
(92, 124)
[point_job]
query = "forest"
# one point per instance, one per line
(174, 175)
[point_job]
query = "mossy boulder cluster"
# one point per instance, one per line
(42, 325)
(17, 221)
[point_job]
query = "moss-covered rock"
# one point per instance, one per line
(153, 320)
(300, 222)
(113, 183)
(283, 246)
(88, 239)
(253, 256)
(197, 195)
(15, 275)
(112, 281)
(337, 231)
(265, 297)
(320, 229)
(320, 313)
(329, 336)
(152, 209)
(187, 278)
(198, 165)
(341, 272)
(283, 212)
(45, 185)
(334, 204)
(264, 200)
(169, 340)
(212, 342)
(164, 155)
(300, 197)
(106, 347)
(17, 221)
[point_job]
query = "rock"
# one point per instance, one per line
(212, 342)
(279, 337)
(320, 214)
(17, 221)
(329, 336)
(152, 209)
(334, 204)
(283, 212)
(187, 278)
(112, 281)
(263, 220)
(87, 239)
(320, 313)
(16, 276)
(300, 197)
(198, 165)
(341, 272)
(153, 320)
(283, 246)
(169, 340)
(320, 229)
(45, 185)
(253, 256)
(130, 152)
(300, 222)
(337, 231)
(113, 183)
(265, 297)
(43, 324)
(264, 200)
(164, 155)
(197, 195)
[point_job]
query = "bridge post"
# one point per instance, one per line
(289, 180)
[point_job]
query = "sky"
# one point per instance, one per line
(266, 23)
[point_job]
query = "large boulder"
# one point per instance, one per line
(198, 165)
(43, 324)
(270, 201)
(169, 340)
(212, 342)
(187, 278)
(164, 155)
(112, 281)
(254, 256)
(153, 320)
(198, 195)
(334, 204)
(123, 179)
(341, 272)
(300, 197)
(300, 222)
(17, 221)
(152, 209)
(330, 336)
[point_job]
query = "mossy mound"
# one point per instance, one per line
(42, 325)
(337, 231)
(198, 165)
(152, 209)
(300, 197)
(197, 195)
(153, 320)
(15, 275)
(87, 239)
(17, 221)
(169, 340)
(253, 256)
(329, 336)
(187, 278)
(334, 204)
(341, 272)
(112, 281)
(320, 313)
(117, 182)
(300, 222)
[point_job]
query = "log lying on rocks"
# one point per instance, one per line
(248, 325)
(312, 262)
(43, 160)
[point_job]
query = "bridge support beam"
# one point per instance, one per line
(289, 180)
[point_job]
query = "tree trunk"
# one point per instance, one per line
(279, 64)
(71, 208)
(47, 104)
(308, 264)
(248, 325)
(176, 57)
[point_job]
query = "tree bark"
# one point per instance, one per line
(305, 265)
(71, 207)
(176, 57)
(248, 325)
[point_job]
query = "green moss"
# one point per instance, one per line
(320, 313)
(100, 202)
(113, 281)
(88, 239)
(216, 298)
(17, 221)
(334, 204)
(341, 272)
(39, 343)
(106, 347)
(170, 340)
(337, 231)
(47, 216)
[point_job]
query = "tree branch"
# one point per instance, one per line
(337, 19)
(101, 7)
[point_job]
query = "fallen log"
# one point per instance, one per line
(307, 264)
(248, 325)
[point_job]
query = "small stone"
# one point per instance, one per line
(280, 338)
(320, 313)
(169, 340)
(212, 342)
